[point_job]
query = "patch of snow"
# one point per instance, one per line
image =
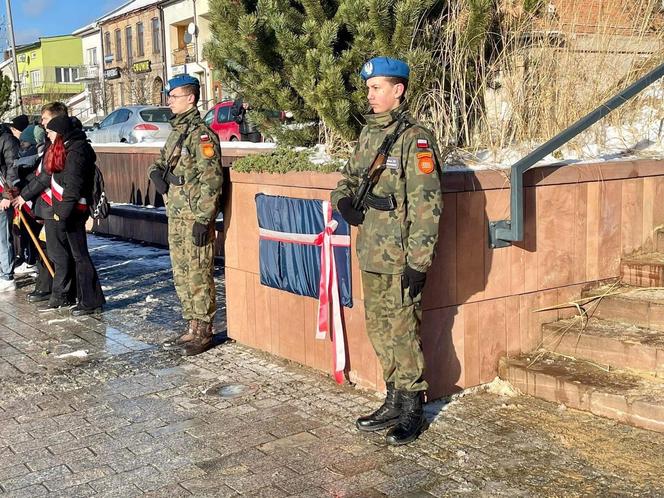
(81, 353)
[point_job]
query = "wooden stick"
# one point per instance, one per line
(47, 263)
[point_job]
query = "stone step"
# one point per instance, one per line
(640, 306)
(612, 344)
(644, 270)
(627, 398)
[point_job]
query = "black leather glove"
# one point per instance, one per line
(413, 280)
(201, 234)
(158, 181)
(353, 216)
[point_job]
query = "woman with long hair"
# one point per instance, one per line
(70, 161)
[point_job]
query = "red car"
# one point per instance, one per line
(220, 120)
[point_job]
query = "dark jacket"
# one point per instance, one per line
(26, 162)
(36, 184)
(9, 146)
(77, 177)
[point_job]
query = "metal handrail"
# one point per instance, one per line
(502, 233)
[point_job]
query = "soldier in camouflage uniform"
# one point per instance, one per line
(395, 247)
(188, 174)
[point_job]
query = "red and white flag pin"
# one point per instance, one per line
(422, 143)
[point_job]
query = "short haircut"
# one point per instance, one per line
(395, 80)
(194, 90)
(55, 109)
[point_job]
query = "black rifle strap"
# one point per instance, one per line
(178, 145)
(389, 142)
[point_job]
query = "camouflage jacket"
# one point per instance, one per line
(200, 166)
(389, 240)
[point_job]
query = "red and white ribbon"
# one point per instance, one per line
(46, 194)
(328, 290)
(57, 189)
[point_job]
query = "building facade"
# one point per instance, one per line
(132, 45)
(187, 28)
(48, 70)
(89, 106)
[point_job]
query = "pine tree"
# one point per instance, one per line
(6, 89)
(306, 56)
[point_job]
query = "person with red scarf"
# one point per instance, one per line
(70, 161)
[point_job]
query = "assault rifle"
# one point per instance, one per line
(364, 198)
(172, 161)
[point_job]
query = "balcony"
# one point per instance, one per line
(184, 55)
(90, 72)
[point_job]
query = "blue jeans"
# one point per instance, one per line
(6, 245)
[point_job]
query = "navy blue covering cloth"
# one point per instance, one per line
(295, 267)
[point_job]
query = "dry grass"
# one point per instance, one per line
(544, 73)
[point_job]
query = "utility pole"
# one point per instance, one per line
(12, 42)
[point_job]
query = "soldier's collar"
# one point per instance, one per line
(179, 119)
(385, 119)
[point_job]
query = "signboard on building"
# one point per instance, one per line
(112, 73)
(181, 69)
(141, 67)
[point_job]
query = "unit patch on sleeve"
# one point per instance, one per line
(422, 143)
(425, 162)
(207, 147)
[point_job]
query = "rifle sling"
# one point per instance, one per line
(374, 201)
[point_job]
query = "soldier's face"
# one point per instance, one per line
(179, 101)
(383, 95)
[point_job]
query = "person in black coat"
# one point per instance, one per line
(37, 192)
(71, 162)
(8, 154)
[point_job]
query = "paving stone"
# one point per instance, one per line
(134, 420)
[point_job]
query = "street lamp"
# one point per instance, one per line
(12, 42)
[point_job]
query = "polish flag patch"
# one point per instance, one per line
(422, 143)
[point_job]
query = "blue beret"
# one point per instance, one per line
(385, 66)
(180, 80)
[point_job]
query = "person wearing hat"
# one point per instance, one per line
(31, 145)
(71, 162)
(8, 153)
(188, 174)
(18, 124)
(38, 196)
(397, 235)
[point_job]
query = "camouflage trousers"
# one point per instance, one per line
(193, 271)
(393, 324)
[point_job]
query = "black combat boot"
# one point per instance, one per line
(386, 416)
(411, 421)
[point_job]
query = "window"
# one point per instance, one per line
(118, 45)
(107, 43)
(123, 116)
(156, 36)
(224, 114)
(35, 78)
(91, 56)
(139, 40)
(130, 44)
(209, 117)
(108, 120)
(159, 115)
(66, 74)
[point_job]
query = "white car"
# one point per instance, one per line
(133, 124)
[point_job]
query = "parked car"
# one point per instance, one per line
(221, 120)
(133, 124)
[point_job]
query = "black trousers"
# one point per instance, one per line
(44, 281)
(57, 246)
(89, 293)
